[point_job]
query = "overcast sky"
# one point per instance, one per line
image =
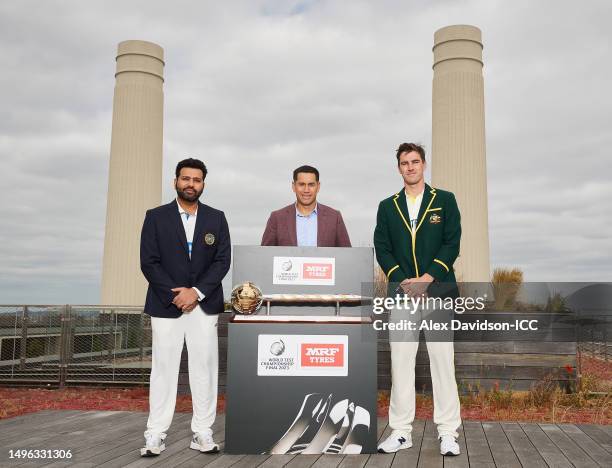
(256, 88)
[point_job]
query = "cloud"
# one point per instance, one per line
(256, 88)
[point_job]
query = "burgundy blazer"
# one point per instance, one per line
(281, 230)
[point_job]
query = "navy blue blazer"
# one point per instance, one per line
(165, 262)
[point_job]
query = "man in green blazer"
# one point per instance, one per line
(417, 237)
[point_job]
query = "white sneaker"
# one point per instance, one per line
(398, 440)
(449, 445)
(204, 442)
(154, 445)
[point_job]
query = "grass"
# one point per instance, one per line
(544, 402)
(588, 402)
(18, 401)
(506, 284)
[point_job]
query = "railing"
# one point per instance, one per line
(74, 344)
(59, 345)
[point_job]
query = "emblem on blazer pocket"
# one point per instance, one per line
(435, 218)
(209, 238)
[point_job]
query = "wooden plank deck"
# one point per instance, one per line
(112, 439)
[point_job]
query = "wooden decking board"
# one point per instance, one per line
(133, 442)
(198, 459)
(181, 454)
(501, 449)
(546, 448)
(303, 461)
(55, 436)
(598, 454)
(249, 461)
(87, 437)
(277, 461)
(606, 429)
(17, 435)
(225, 460)
(130, 432)
(115, 447)
(101, 442)
(328, 461)
(461, 460)
(409, 458)
(381, 460)
(429, 455)
(78, 451)
(41, 417)
(381, 425)
(80, 443)
(172, 449)
(113, 439)
(195, 460)
(354, 461)
(133, 450)
(524, 449)
(598, 435)
(572, 452)
(477, 448)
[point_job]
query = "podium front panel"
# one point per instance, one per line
(301, 388)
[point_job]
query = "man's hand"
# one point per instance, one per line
(186, 299)
(415, 287)
(189, 308)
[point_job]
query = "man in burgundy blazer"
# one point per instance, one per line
(306, 222)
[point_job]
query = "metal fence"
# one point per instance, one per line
(595, 347)
(58, 345)
(71, 345)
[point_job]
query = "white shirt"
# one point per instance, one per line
(189, 222)
(413, 205)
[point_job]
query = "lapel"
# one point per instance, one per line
(198, 233)
(321, 213)
(428, 197)
(402, 208)
(291, 210)
(175, 217)
(429, 194)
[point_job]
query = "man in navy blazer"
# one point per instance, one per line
(185, 252)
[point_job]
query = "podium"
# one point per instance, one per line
(302, 375)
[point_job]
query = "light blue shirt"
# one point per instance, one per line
(306, 228)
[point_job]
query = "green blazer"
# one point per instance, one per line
(432, 247)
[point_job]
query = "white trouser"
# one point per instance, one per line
(447, 414)
(199, 331)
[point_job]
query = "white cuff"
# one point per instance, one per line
(200, 295)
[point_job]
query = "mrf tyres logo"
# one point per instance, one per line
(302, 355)
(317, 270)
(322, 354)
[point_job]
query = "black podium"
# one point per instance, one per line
(301, 377)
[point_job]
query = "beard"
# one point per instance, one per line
(188, 197)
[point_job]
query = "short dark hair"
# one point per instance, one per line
(409, 147)
(193, 164)
(307, 169)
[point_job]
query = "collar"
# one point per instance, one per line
(297, 212)
(182, 211)
(420, 195)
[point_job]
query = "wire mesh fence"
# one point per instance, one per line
(59, 345)
(594, 348)
(68, 345)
